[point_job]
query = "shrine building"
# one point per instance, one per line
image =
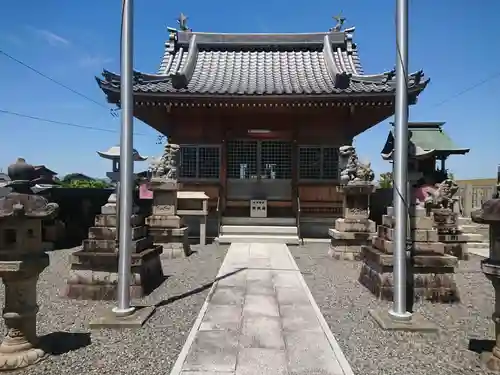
(260, 117)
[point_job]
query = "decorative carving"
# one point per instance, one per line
(443, 196)
(182, 21)
(166, 166)
(340, 22)
(352, 170)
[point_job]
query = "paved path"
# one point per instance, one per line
(262, 319)
(485, 253)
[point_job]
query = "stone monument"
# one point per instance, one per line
(431, 222)
(94, 268)
(355, 228)
(165, 226)
(490, 214)
(21, 262)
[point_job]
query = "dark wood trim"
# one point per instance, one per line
(223, 172)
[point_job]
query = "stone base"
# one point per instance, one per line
(347, 245)
(94, 276)
(417, 323)
(345, 225)
(164, 221)
(135, 320)
(21, 359)
(174, 241)
(433, 276)
(457, 249)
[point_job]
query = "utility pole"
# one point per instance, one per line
(126, 185)
(400, 197)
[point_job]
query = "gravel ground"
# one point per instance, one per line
(150, 350)
(345, 304)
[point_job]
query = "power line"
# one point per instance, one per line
(61, 122)
(112, 111)
(470, 88)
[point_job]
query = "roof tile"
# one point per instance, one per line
(261, 64)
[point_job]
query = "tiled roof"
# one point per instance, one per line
(261, 64)
(426, 139)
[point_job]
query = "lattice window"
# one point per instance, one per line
(318, 163)
(187, 162)
(310, 163)
(330, 163)
(199, 162)
(209, 162)
(276, 160)
(242, 159)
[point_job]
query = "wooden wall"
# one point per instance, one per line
(305, 126)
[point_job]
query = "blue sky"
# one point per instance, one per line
(71, 41)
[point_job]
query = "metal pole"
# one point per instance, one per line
(401, 163)
(126, 161)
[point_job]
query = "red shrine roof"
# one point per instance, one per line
(197, 64)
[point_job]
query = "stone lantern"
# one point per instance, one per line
(490, 214)
(21, 262)
(113, 154)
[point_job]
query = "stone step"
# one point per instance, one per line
(257, 238)
(478, 245)
(275, 221)
(259, 229)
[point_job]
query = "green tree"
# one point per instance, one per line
(69, 182)
(385, 180)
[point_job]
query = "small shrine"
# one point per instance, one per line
(355, 228)
(22, 259)
(165, 226)
(429, 148)
(434, 237)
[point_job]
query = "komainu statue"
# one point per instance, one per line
(166, 166)
(443, 197)
(352, 170)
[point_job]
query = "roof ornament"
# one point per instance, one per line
(340, 22)
(182, 21)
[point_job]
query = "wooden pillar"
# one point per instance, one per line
(295, 169)
(223, 168)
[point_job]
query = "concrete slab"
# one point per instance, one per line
(228, 295)
(418, 323)
(260, 305)
(108, 319)
(262, 320)
(252, 361)
(213, 351)
(310, 353)
(222, 317)
(262, 332)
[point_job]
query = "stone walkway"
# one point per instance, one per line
(260, 318)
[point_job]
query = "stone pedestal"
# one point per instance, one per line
(20, 348)
(490, 214)
(166, 228)
(355, 229)
(432, 268)
(94, 269)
